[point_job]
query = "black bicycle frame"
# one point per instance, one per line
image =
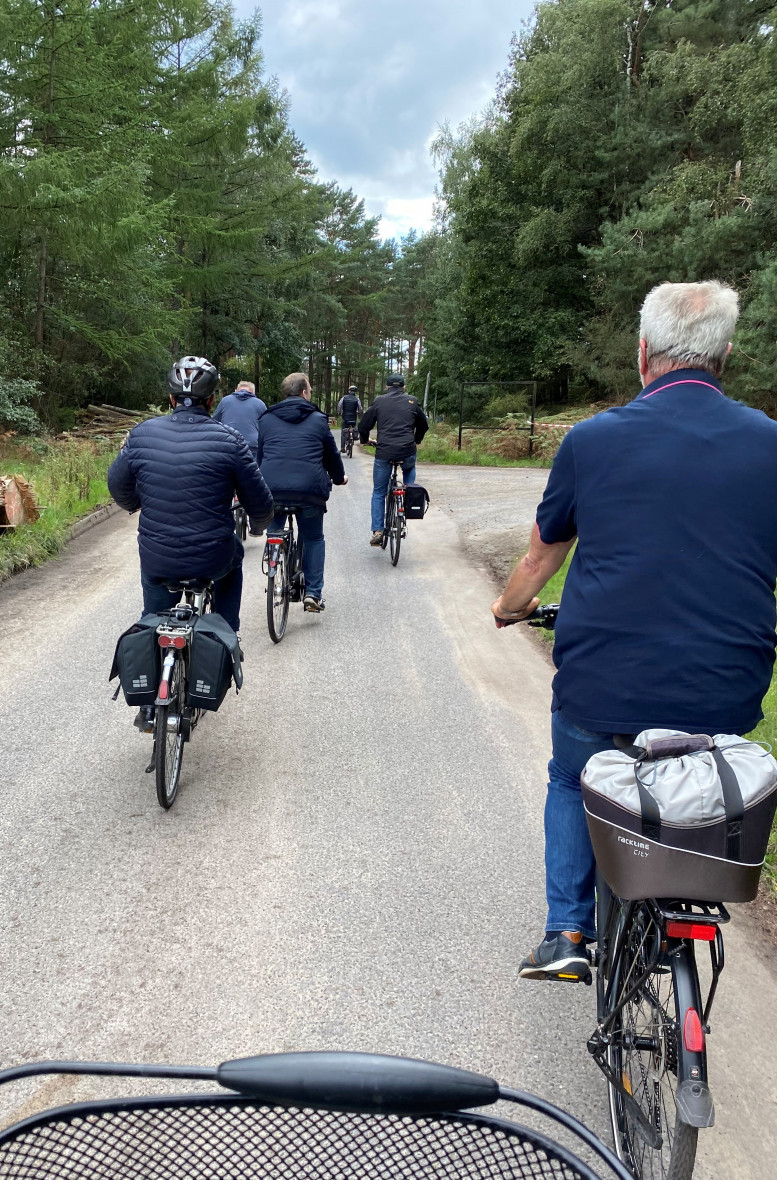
(293, 543)
(693, 1097)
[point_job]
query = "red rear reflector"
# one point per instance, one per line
(172, 641)
(275, 540)
(693, 1034)
(163, 691)
(691, 930)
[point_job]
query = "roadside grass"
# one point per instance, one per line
(479, 449)
(766, 731)
(69, 480)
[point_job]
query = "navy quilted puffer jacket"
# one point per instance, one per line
(181, 471)
(297, 452)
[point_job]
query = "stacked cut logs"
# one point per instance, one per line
(99, 421)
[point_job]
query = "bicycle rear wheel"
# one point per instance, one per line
(395, 536)
(169, 738)
(643, 1056)
(349, 446)
(388, 518)
(278, 593)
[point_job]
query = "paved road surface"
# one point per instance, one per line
(355, 857)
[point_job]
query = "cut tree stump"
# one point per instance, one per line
(17, 502)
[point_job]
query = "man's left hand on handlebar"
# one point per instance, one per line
(504, 617)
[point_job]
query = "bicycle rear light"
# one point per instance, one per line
(693, 1034)
(275, 540)
(698, 930)
(172, 641)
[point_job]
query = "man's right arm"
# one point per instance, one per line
(552, 537)
(121, 480)
(340, 405)
(366, 422)
(421, 423)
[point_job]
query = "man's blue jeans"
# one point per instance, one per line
(228, 590)
(381, 474)
(570, 868)
(311, 530)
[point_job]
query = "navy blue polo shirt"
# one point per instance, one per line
(668, 613)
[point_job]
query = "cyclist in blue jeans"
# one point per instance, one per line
(401, 425)
(668, 614)
(300, 460)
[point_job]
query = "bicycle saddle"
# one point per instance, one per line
(196, 585)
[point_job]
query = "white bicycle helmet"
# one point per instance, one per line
(192, 377)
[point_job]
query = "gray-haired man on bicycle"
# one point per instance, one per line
(668, 612)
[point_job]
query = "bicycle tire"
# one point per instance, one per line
(278, 597)
(388, 518)
(395, 538)
(349, 447)
(647, 1073)
(239, 517)
(169, 744)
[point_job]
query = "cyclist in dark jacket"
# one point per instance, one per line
(401, 425)
(299, 459)
(181, 471)
(349, 407)
(242, 410)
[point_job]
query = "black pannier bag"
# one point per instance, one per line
(416, 501)
(681, 816)
(137, 661)
(214, 662)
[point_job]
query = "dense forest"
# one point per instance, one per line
(630, 142)
(156, 201)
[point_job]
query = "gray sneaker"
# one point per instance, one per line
(377, 537)
(311, 603)
(561, 958)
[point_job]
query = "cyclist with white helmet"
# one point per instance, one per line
(182, 470)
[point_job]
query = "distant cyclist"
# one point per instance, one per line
(401, 425)
(300, 461)
(349, 407)
(242, 410)
(181, 470)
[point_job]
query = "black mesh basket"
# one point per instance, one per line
(236, 1137)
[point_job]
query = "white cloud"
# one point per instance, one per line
(402, 215)
(371, 81)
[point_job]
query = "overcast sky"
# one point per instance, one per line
(371, 81)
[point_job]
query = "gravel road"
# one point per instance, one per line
(355, 856)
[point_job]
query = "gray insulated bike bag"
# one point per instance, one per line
(416, 502)
(137, 661)
(214, 662)
(677, 815)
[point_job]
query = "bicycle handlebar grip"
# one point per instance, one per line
(358, 1083)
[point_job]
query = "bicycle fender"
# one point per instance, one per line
(694, 1103)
